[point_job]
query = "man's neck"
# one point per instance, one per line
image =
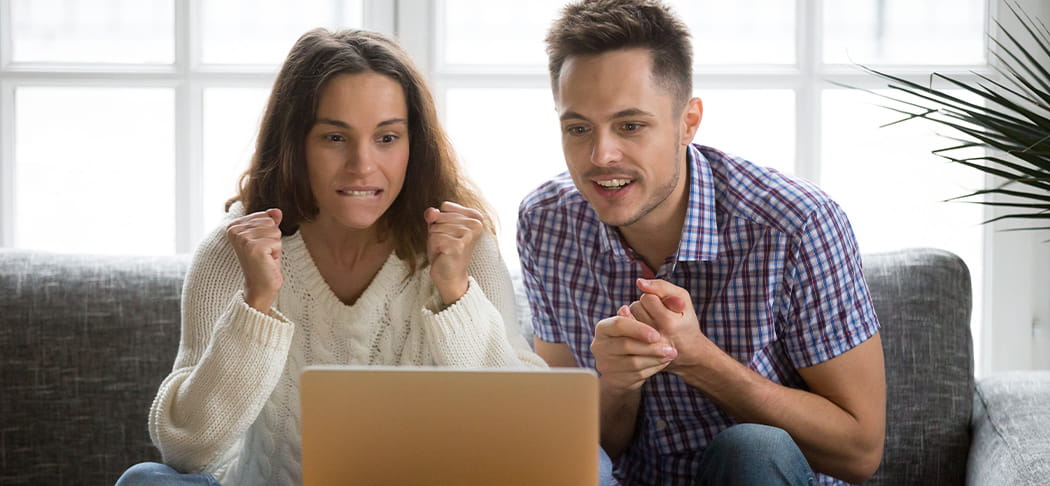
(657, 236)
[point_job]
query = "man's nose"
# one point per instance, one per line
(606, 150)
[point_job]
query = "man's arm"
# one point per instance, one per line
(839, 424)
(627, 352)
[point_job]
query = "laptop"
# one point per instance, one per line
(420, 425)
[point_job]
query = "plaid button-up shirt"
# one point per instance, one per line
(771, 264)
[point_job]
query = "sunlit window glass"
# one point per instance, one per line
(93, 31)
(904, 31)
(756, 124)
(262, 31)
(507, 156)
(484, 32)
(741, 31)
(231, 123)
(95, 170)
(893, 188)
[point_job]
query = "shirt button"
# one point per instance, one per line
(661, 424)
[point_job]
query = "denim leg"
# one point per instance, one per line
(605, 469)
(752, 454)
(152, 473)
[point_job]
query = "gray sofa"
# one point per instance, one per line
(85, 341)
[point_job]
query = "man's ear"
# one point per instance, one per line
(691, 116)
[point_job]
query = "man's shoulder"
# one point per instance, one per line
(764, 195)
(557, 195)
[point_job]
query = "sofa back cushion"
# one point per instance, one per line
(922, 298)
(85, 341)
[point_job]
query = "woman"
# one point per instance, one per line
(353, 241)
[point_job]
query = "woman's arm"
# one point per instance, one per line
(229, 360)
(481, 328)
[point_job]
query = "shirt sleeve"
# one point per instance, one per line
(230, 359)
(543, 322)
(830, 309)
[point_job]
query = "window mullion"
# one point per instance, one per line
(381, 16)
(7, 132)
(809, 42)
(188, 179)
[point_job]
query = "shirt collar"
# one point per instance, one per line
(699, 240)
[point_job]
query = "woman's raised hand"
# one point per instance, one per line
(256, 238)
(454, 230)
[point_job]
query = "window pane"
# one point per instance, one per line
(741, 31)
(506, 159)
(893, 188)
(231, 122)
(95, 170)
(263, 31)
(105, 31)
(758, 125)
(483, 32)
(904, 32)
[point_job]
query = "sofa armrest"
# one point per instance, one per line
(1011, 430)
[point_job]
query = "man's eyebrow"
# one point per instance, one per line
(571, 115)
(632, 112)
(629, 112)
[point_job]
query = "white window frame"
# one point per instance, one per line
(1007, 334)
(1015, 325)
(187, 75)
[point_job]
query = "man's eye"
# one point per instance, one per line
(576, 130)
(630, 127)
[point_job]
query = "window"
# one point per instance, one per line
(762, 68)
(130, 120)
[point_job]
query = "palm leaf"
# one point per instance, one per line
(1011, 120)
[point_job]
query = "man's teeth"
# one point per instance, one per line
(359, 193)
(614, 183)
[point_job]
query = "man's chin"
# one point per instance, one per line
(617, 219)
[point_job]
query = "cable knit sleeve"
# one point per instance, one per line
(229, 360)
(481, 328)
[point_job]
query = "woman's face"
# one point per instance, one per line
(357, 149)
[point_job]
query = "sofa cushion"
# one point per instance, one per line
(86, 341)
(922, 298)
(1011, 426)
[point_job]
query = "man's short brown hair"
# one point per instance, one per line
(592, 27)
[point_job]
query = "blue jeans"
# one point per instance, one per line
(152, 473)
(605, 468)
(751, 454)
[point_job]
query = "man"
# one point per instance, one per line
(706, 291)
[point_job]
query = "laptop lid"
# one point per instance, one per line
(412, 425)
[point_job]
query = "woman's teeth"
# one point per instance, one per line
(358, 193)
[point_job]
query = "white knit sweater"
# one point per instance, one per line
(230, 406)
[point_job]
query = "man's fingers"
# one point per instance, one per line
(673, 297)
(626, 327)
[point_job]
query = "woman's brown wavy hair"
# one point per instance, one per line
(277, 177)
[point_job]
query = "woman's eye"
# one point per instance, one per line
(387, 139)
(333, 137)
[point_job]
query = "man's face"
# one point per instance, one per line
(623, 137)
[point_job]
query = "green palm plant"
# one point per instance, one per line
(1010, 121)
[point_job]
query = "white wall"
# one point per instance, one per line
(1016, 331)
